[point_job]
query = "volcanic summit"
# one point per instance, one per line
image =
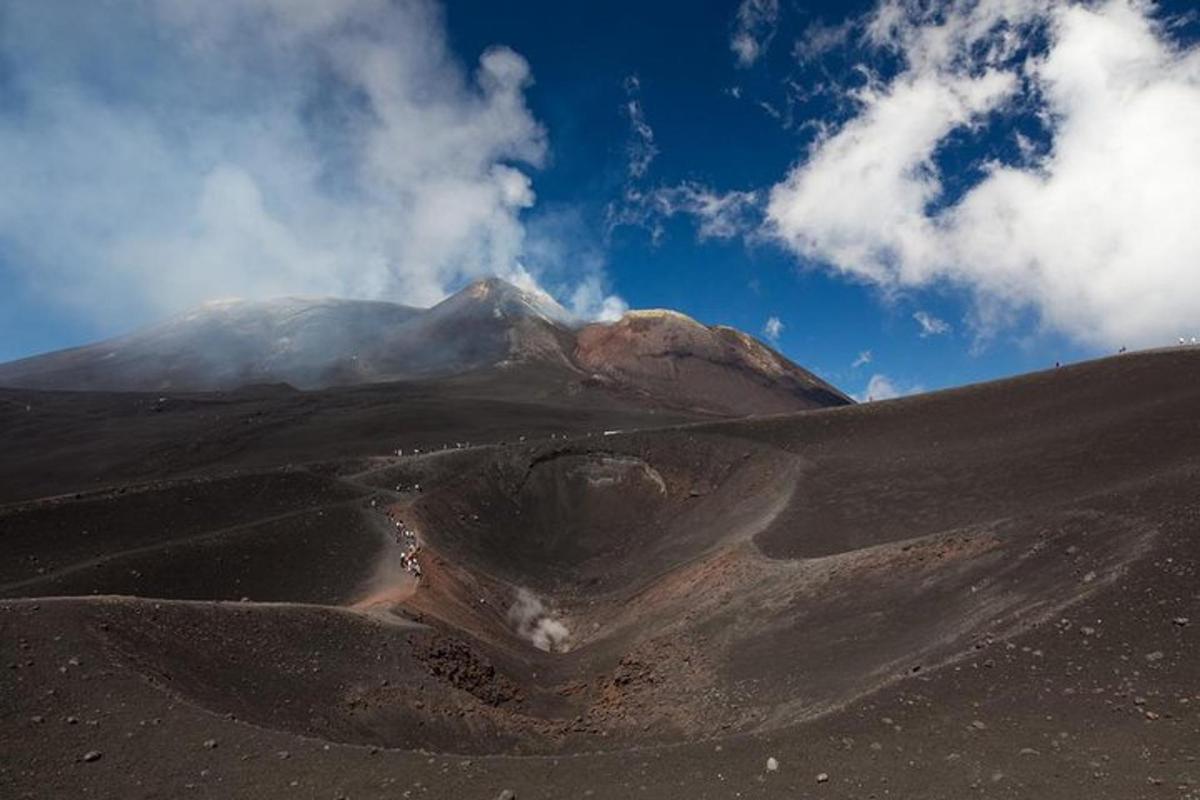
(652, 357)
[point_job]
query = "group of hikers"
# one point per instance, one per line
(407, 539)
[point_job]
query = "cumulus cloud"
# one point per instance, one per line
(754, 28)
(158, 152)
(863, 359)
(1094, 232)
(772, 328)
(881, 387)
(931, 325)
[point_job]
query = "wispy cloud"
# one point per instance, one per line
(1120, 101)
(864, 358)
(641, 148)
(718, 215)
(820, 38)
(754, 28)
(931, 325)
(772, 328)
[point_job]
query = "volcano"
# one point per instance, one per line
(660, 358)
(989, 590)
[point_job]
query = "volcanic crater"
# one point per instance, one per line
(714, 591)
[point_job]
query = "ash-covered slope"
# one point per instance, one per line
(306, 342)
(655, 358)
(989, 591)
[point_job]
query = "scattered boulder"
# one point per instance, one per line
(92, 755)
(772, 764)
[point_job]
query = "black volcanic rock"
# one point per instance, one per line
(655, 358)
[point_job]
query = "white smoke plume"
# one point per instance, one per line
(534, 622)
(159, 153)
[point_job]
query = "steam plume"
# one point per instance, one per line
(532, 621)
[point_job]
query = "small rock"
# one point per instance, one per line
(1180, 621)
(1151, 715)
(507, 794)
(823, 777)
(1087, 630)
(772, 764)
(92, 755)
(1029, 751)
(210, 744)
(1155, 656)
(979, 725)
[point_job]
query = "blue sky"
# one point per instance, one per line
(920, 196)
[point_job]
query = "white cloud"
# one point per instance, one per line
(931, 325)
(1096, 234)
(881, 387)
(160, 152)
(754, 28)
(820, 38)
(863, 359)
(773, 328)
(641, 148)
(718, 215)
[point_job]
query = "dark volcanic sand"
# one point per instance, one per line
(985, 592)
